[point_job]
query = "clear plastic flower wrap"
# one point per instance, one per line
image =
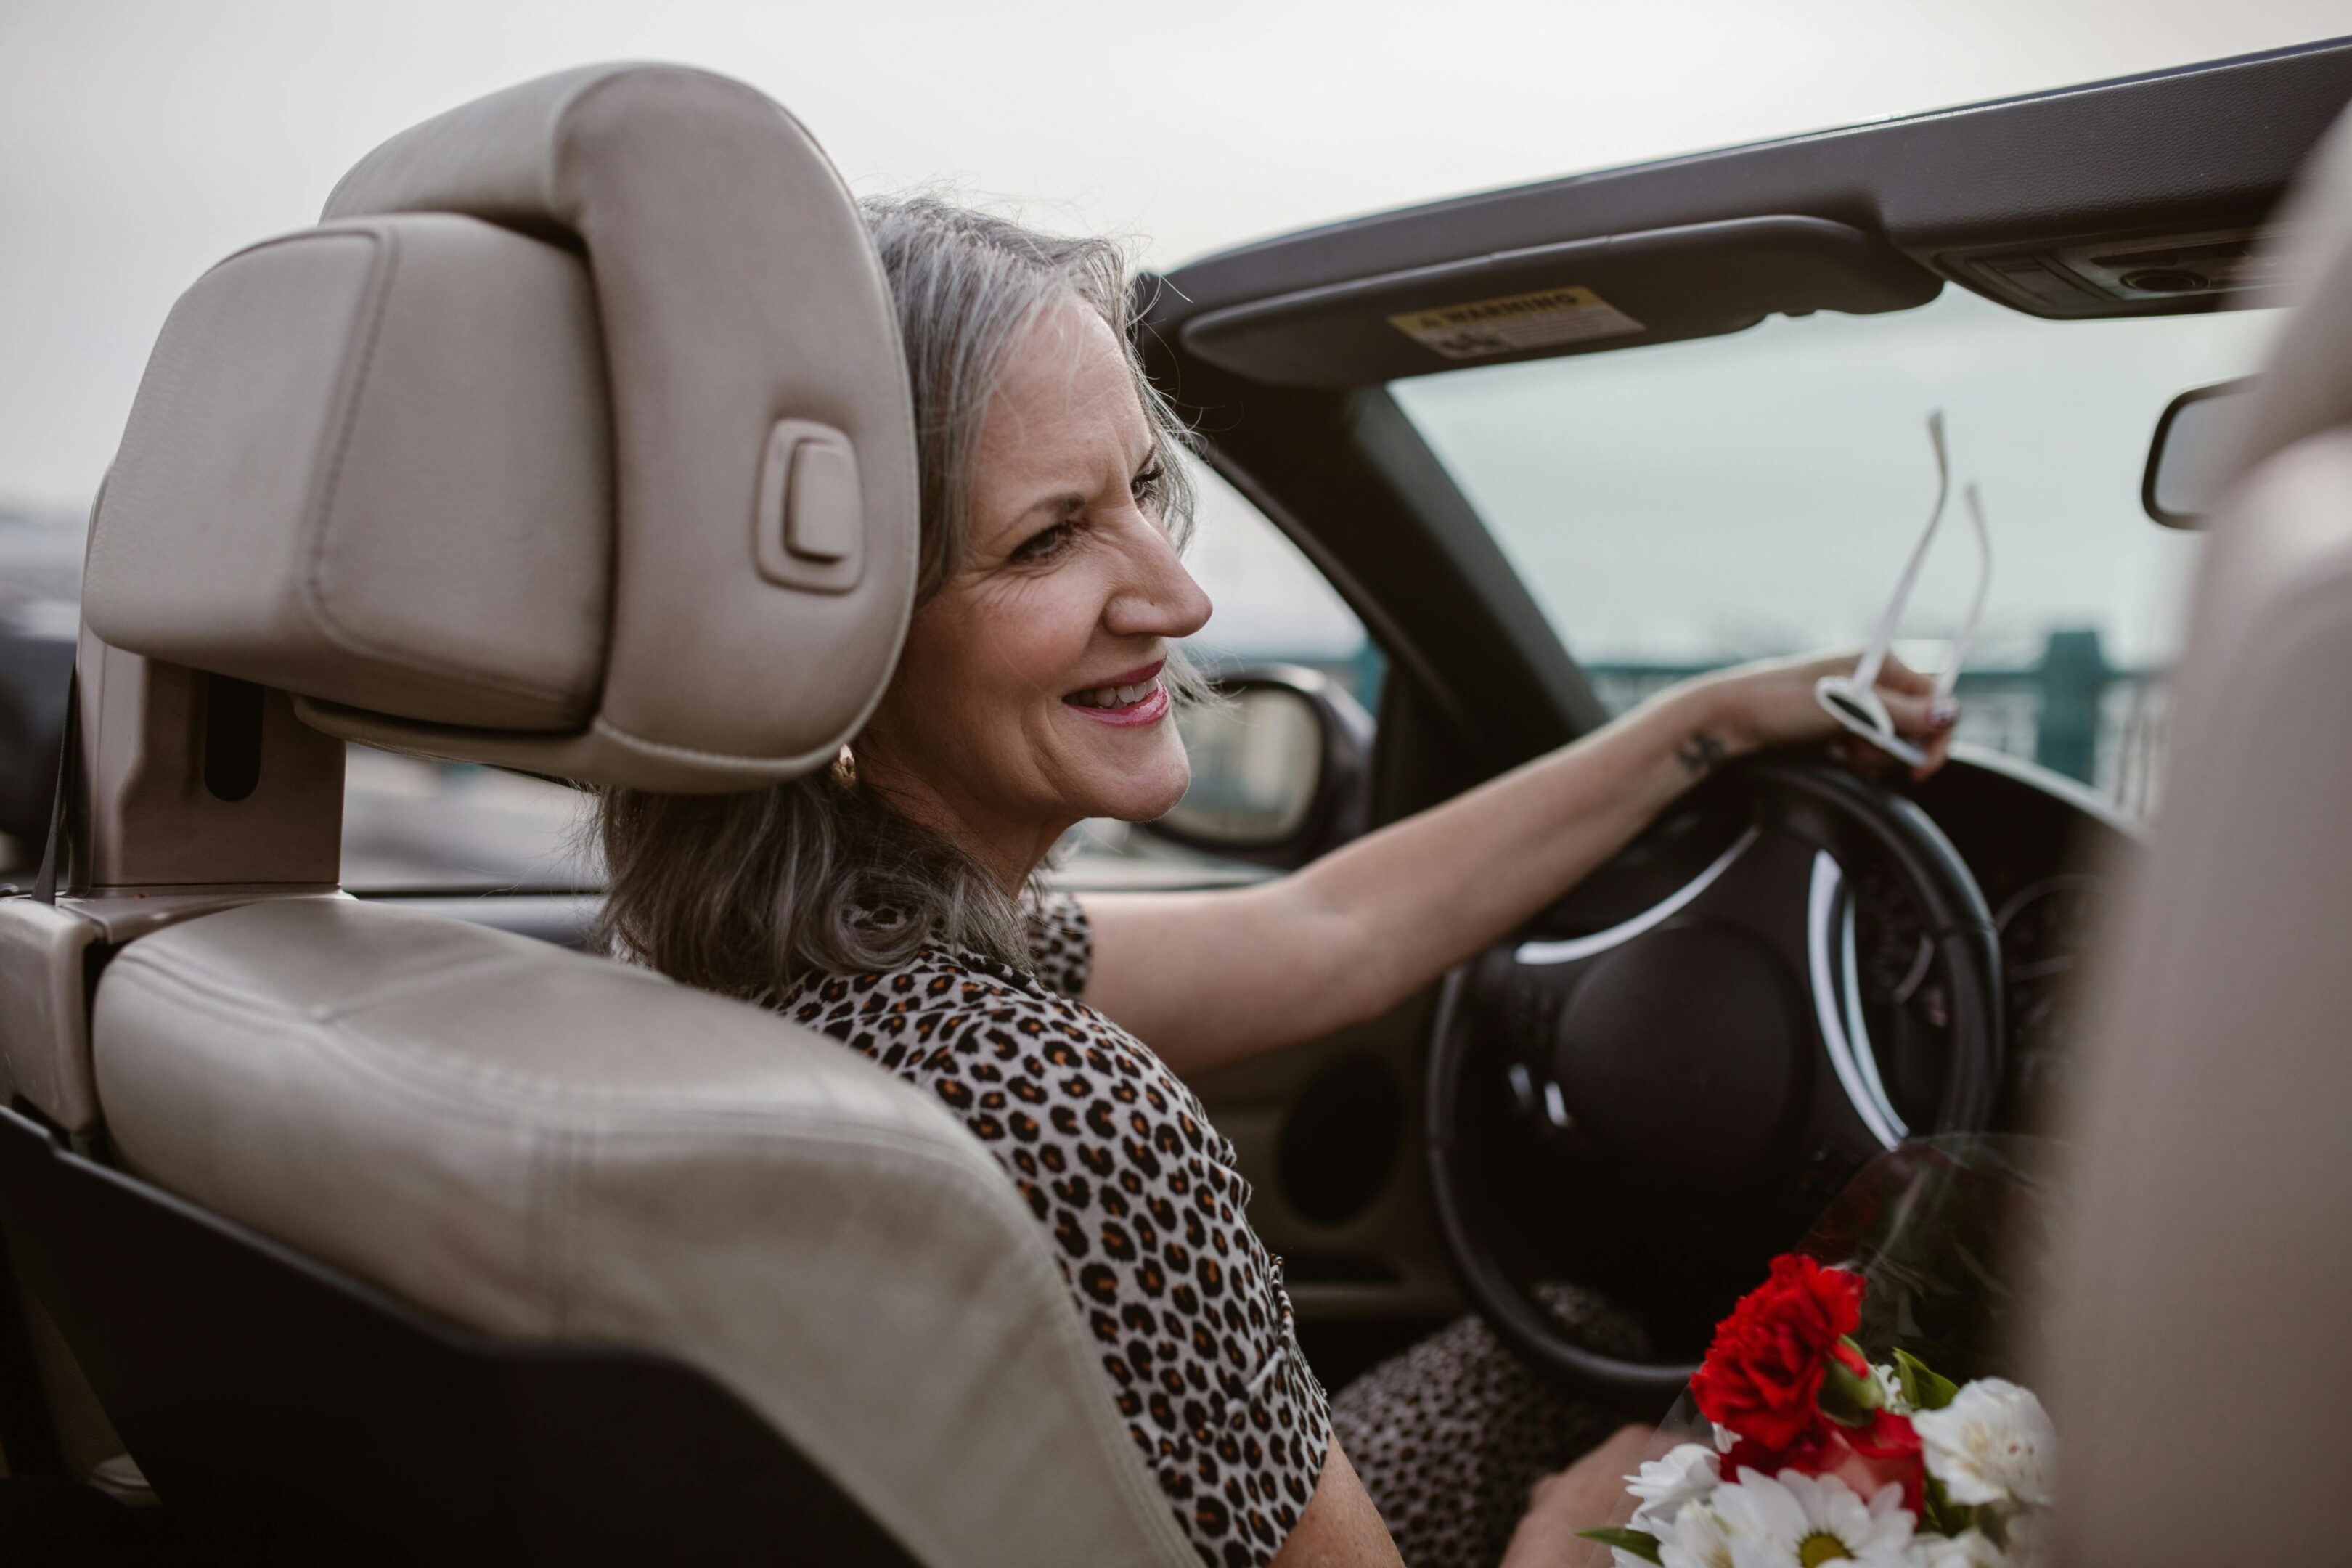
(1864, 1403)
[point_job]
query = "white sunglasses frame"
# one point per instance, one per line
(1852, 699)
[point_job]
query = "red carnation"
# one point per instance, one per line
(1762, 1378)
(1886, 1450)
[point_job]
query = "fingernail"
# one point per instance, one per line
(1943, 714)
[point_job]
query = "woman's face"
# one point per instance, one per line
(1029, 692)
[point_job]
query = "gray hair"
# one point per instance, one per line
(747, 894)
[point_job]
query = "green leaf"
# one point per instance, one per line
(1924, 1389)
(1940, 1514)
(1640, 1542)
(1848, 1396)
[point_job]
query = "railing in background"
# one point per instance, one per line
(2070, 712)
(1359, 674)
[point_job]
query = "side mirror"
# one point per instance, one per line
(2178, 487)
(1278, 768)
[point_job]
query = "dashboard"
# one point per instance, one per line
(2048, 854)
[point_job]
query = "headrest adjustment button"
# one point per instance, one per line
(810, 518)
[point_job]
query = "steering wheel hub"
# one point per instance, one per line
(1686, 1053)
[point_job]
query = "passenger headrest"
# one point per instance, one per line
(2195, 1293)
(576, 438)
(2306, 385)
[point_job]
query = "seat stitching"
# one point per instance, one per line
(322, 511)
(452, 1085)
(610, 731)
(193, 970)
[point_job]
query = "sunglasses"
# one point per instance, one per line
(1852, 699)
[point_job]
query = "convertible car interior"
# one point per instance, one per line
(382, 1225)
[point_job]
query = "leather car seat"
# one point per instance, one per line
(2196, 1361)
(575, 439)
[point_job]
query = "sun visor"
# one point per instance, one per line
(1579, 297)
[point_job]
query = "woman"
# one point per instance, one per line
(891, 902)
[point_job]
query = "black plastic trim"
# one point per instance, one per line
(2203, 145)
(2156, 445)
(29, 1437)
(1695, 280)
(287, 1413)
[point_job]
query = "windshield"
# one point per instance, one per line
(1688, 505)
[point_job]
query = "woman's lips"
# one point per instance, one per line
(1132, 698)
(1149, 709)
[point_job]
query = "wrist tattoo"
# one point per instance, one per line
(1700, 754)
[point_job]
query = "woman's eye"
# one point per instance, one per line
(1044, 544)
(1145, 486)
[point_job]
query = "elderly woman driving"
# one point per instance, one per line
(894, 904)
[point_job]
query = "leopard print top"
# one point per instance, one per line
(1146, 1206)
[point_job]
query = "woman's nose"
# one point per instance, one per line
(1159, 597)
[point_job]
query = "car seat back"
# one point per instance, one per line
(576, 438)
(2196, 1360)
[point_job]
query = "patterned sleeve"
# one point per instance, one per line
(1061, 942)
(1147, 1210)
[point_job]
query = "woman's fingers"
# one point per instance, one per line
(1937, 750)
(1918, 713)
(1922, 717)
(1926, 720)
(1896, 675)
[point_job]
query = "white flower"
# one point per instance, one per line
(1971, 1549)
(1803, 1522)
(1993, 1442)
(1890, 1390)
(1726, 1439)
(1697, 1538)
(1689, 1471)
(2027, 1531)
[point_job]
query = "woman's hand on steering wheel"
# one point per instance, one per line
(1772, 703)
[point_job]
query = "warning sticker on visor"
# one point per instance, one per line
(1477, 328)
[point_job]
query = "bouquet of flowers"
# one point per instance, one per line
(1820, 1457)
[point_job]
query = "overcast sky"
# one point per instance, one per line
(139, 143)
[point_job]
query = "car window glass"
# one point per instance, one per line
(1685, 506)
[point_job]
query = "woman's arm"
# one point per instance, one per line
(1210, 978)
(1340, 1527)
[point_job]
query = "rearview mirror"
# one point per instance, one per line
(2178, 487)
(1277, 768)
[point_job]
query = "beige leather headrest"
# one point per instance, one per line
(2306, 385)
(2194, 1309)
(577, 438)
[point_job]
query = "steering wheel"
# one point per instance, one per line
(1655, 1107)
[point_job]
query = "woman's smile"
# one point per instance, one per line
(1133, 698)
